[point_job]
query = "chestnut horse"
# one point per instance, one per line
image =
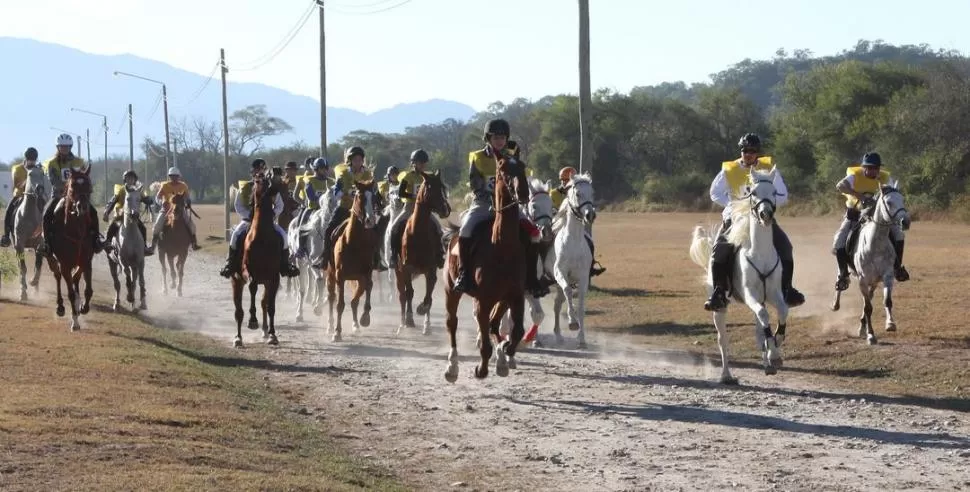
(174, 244)
(352, 259)
(72, 247)
(261, 253)
(498, 264)
(420, 244)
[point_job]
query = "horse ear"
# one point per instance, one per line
(437, 173)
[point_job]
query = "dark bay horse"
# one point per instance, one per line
(420, 243)
(173, 245)
(498, 261)
(354, 243)
(262, 249)
(72, 247)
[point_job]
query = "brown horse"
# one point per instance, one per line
(419, 249)
(498, 262)
(354, 243)
(72, 247)
(174, 244)
(290, 207)
(261, 253)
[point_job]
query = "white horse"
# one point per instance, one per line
(874, 257)
(756, 275)
(129, 251)
(27, 225)
(392, 209)
(311, 280)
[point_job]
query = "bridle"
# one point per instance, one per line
(884, 203)
(576, 209)
(770, 202)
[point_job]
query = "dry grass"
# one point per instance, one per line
(653, 290)
(123, 406)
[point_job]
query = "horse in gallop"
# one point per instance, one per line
(262, 249)
(72, 248)
(419, 249)
(291, 207)
(498, 264)
(128, 253)
(756, 275)
(310, 282)
(173, 246)
(392, 209)
(352, 258)
(874, 257)
(27, 229)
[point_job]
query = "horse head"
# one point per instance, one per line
(579, 198)
(890, 206)
(539, 209)
(762, 196)
(434, 192)
(511, 186)
(78, 191)
(132, 206)
(366, 200)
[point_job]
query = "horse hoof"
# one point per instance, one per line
(273, 340)
(729, 380)
(60, 311)
(512, 363)
(237, 342)
(35, 283)
(777, 363)
(891, 327)
(536, 343)
(299, 319)
(422, 309)
(399, 329)
(115, 307)
(253, 324)
(582, 345)
(75, 326)
(771, 370)
(574, 326)
(143, 306)
(451, 375)
(481, 373)
(85, 309)
(318, 311)
(426, 331)
(501, 363)
(23, 297)
(872, 341)
(365, 319)
(336, 337)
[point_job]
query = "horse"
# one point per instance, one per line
(261, 253)
(291, 207)
(310, 282)
(352, 258)
(874, 256)
(756, 273)
(392, 208)
(419, 249)
(173, 245)
(129, 251)
(27, 228)
(72, 248)
(498, 263)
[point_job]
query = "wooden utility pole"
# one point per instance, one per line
(585, 96)
(323, 83)
(131, 146)
(225, 138)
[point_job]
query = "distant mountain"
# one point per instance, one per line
(42, 81)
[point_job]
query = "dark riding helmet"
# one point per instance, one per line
(419, 156)
(871, 159)
(497, 127)
(129, 174)
(291, 165)
(392, 171)
(320, 163)
(30, 154)
(750, 141)
(355, 150)
(258, 165)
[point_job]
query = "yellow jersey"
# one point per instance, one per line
(346, 177)
(739, 177)
(170, 189)
(863, 184)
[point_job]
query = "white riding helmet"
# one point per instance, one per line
(65, 139)
(174, 171)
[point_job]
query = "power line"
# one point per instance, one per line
(378, 11)
(282, 44)
(358, 6)
(201, 89)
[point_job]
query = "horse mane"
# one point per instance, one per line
(155, 186)
(559, 219)
(537, 186)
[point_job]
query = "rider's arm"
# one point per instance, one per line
(402, 190)
(475, 179)
(781, 190)
(239, 206)
(847, 186)
(720, 191)
(55, 178)
(311, 194)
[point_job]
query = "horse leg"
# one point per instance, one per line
(762, 331)
(430, 279)
(331, 300)
(130, 285)
(237, 292)
(38, 264)
(776, 340)
(181, 272)
(484, 339)
(887, 296)
(253, 323)
(141, 286)
(269, 298)
(113, 267)
(451, 324)
(72, 298)
(318, 289)
(301, 283)
(720, 323)
(557, 312)
(23, 274)
(508, 347)
(171, 267)
(264, 308)
(409, 299)
(60, 297)
(88, 287)
(368, 288)
(402, 299)
(582, 288)
(340, 311)
(870, 333)
(354, 302)
(161, 261)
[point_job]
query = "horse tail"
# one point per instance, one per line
(701, 244)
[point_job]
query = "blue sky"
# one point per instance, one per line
(474, 51)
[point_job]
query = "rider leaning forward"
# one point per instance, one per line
(730, 184)
(117, 203)
(58, 170)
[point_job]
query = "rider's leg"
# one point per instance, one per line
(441, 244)
(898, 237)
(191, 225)
(144, 235)
(593, 269)
(8, 221)
(287, 268)
(113, 227)
(839, 248)
(50, 211)
(532, 235)
(157, 228)
(784, 248)
(94, 225)
(234, 257)
(475, 215)
(394, 236)
(302, 238)
(720, 268)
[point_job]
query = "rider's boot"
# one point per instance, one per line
(719, 276)
(233, 263)
(594, 270)
(7, 226)
(842, 257)
(287, 268)
(195, 243)
(466, 277)
(149, 250)
(899, 270)
(98, 243)
(793, 297)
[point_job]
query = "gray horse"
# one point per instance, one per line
(27, 225)
(129, 251)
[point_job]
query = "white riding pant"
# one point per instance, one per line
(478, 213)
(242, 229)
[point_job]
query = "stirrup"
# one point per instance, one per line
(5, 241)
(794, 298)
(717, 301)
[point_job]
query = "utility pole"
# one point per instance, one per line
(225, 138)
(87, 142)
(585, 97)
(168, 147)
(323, 83)
(105, 125)
(131, 145)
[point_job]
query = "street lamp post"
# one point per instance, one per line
(104, 126)
(168, 146)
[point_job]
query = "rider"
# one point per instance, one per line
(858, 186)
(312, 187)
(729, 185)
(117, 203)
(290, 177)
(245, 208)
(388, 189)
(58, 170)
(558, 195)
(19, 174)
(389, 182)
(410, 181)
(482, 166)
(351, 171)
(169, 190)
